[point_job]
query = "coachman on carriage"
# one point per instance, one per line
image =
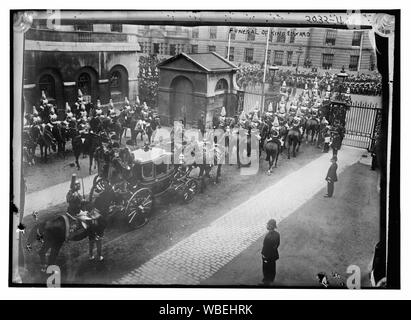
(138, 177)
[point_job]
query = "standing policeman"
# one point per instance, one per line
(269, 253)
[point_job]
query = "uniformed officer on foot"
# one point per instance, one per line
(331, 177)
(269, 253)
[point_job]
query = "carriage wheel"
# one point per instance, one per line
(100, 184)
(190, 190)
(138, 206)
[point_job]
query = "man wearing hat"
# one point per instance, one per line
(269, 252)
(73, 197)
(331, 177)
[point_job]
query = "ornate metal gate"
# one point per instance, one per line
(362, 125)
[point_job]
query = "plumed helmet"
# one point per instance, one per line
(276, 123)
(223, 112)
(79, 93)
(35, 112)
(270, 107)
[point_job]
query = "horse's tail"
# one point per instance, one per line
(36, 233)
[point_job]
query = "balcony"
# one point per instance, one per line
(79, 36)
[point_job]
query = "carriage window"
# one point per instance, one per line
(147, 170)
(161, 169)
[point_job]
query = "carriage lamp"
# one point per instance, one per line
(272, 70)
(342, 75)
(341, 79)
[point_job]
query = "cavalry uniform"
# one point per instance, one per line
(74, 198)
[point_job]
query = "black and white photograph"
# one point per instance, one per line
(209, 149)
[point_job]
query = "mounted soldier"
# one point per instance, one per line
(110, 108)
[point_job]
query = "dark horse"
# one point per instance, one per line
(294, 140)
(312, 126)
(86, 143)
(53, 233)
(60, 134)
(44, 138)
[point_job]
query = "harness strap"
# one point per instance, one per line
(67, 222)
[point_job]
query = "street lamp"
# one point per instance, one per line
(299, 52)
(341, 79)
(272, 71)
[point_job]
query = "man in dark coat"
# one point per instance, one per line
(331, 177)
(269, 253)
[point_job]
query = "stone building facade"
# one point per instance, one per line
(100, 60)
(316, 47)
(195, 84)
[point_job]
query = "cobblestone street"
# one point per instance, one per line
(202, 254)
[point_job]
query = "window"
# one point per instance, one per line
(232, 33)
(278, 57)
(115, 80)
(194, 48)
(161, 169)
(116, 27)
(281, 35)
(356, 38)
(48, 85)
(231, 55)
(84, 83)
(251, 34)
(83, 27)
(292, 35)
(268, 56)
(330, 37)
(354, 63)
(172, 49)
(213, 32)
(289, 58)
(248, 56)
(328, 60)
(194, 33)
(221, 85)
(211, 48)
(147, 170)
(372, 62)
(156, 48)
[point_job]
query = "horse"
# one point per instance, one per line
(44, 138)
(139, 128)
(117, 127)
(60, 135)
(95, 124)
(87, 144)
(312, 126)
(29, 146)
(272, 151)
(53, 233)
(293, 139)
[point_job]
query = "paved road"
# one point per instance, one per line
(48, 197)
(324, 235)
(199, 256)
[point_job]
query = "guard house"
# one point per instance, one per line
(192, 84)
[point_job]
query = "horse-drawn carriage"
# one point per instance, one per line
(140, 176)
